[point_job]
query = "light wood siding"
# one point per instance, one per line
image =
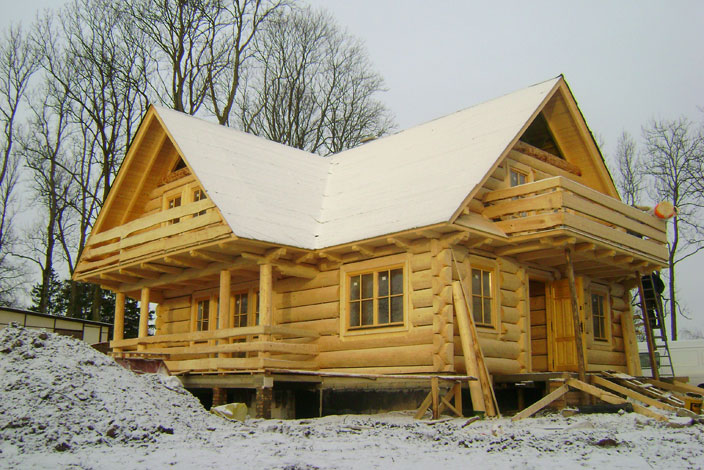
(538, 327)
(611, 356)
(504, 347)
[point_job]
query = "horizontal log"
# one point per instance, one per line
(617, 290)
(421, 261)
(510, 281)
(216, 334)
(384, 370)
(307, 312)
(324, 279)
(476, 206)
(250, 346)
(174, 327)
(214, 363)
(510, 332)
(175, 314)
(492, 348)
(606, 357)
(416, 355)
(617, 303)
(510, 314)
(499, 173)
(177, 302)
(422, 316)
(495, 365)
(422, 298)
(509, 298)
(421, 279)
(308, 297)
(142, 223)
(508, 265)
(416, 336)
(328, 326)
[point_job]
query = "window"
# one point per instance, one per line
(202, 315)
(171, 204)
(199, 195)
(376, 298)
(482, 297)
(239, 303)
(599, 317)
(517, 177)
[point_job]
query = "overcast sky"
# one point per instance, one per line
(625, 61)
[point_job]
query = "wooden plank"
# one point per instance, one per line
(613, 399)
(217, 334)
(602, 382)
(540, 202)
(268, 346)
(542, 403)
(546, 157)
(155, 234)
(688, 387)
(471, 368)
(581, 367)
(612, 215)
(127, 229)
(522, 190)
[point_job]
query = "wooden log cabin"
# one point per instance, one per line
(262, 258)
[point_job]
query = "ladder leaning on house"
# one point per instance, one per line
(650, 289)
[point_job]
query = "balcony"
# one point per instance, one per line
(536, 216)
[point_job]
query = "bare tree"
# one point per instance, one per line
(93, 53)
(312, 86)
(235, 27)
(673, 152)
(180, 40)
(42, 148)
(18, 62)
(630, 171)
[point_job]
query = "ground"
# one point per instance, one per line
(66, 406)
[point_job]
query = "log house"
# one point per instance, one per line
(260, 257)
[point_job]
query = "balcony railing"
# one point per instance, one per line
(262, 347)
(560, 203)
(156, 233)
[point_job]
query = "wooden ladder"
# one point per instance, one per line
(649, 289)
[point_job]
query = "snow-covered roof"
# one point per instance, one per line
(418, 177)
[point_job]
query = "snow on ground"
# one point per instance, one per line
(60, 399)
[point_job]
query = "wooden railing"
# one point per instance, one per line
(205, 351)
(559, 202)
(153, 233)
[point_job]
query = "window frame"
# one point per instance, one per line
(490, 266)
(606, 340)
(518, 167)
(376, 265)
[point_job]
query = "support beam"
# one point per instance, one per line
(224, 301)
(265, 297)
(118, 331)
(144, 315)
(581, 366)
(363, 250)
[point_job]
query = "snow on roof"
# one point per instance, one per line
(418, 177)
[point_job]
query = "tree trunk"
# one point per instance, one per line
(97, 301)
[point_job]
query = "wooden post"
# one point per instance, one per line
(143, 316)
(265, 300)
(581, 367)
(648, 332)
(224, 301)
(470, 361)
(436, 397)
(118, 331)
(630, 344)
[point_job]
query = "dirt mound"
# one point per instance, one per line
(58, 393)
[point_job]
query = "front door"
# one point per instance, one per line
(562, 348)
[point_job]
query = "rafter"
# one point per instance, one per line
(161, 268)
(186, 262)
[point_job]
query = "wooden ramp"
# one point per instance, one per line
(617, 388)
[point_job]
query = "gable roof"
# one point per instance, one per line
(418, 177)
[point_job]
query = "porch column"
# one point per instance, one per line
(581, 367)
(265, 299)
(118, 331)
(224, 302)
(144, 316)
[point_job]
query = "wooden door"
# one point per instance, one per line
(562, 348)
